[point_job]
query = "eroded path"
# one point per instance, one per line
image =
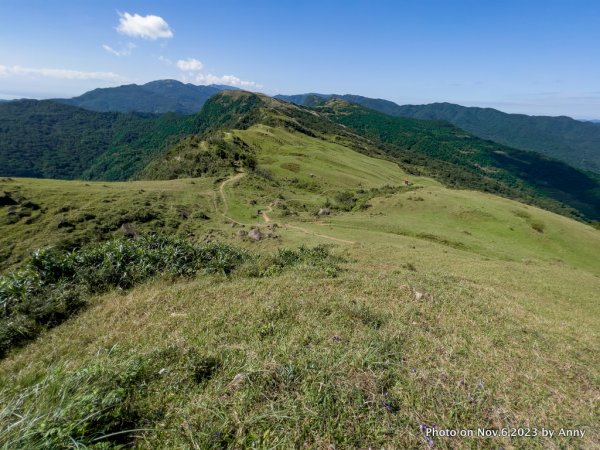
(265, 213)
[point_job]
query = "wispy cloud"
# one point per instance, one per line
(229, 80)
(147, 27)
(124, 51)
(65, 74)
(189, 65)
(191, 68)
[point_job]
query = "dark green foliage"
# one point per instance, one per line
(157, 97)
(201, 155)
(45, 139)
(464, 161)
(563, 138)
(54, 283)
(231, 109)
(345, 200)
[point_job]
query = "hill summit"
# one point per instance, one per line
(160, 96)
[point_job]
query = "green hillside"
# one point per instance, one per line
(40, 138)
(419, 306)
(574, 142)
(519, 174)
(50, 140)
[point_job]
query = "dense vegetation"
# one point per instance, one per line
(45, 139)
(194, 157)
(159, 96)
(53, 284)
(571, 141)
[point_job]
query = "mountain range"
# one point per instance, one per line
(50, 139)
(572, 141)
(265, 274)
(157, 97)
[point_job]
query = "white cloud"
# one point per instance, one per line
(125, 51)
(229, 80)
(64, 74)
(189, 65)
(165, 60)
(147, 27)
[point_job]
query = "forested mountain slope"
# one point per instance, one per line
(575, 142)
(47, 139)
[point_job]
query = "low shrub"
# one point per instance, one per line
(538, 226)
(345, 200)
(54, 284)
(317, 257)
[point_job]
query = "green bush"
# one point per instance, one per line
(54, 284)
(345, 200)
(538, 226)
(319, 257)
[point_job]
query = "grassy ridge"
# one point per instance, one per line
(301, 359)
(40, 139)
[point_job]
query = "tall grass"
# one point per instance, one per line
(54, 284)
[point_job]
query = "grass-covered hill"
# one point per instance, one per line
(574, 142)
(160, 96)
(487, 162)
(47, 139)
(432, 148)
(396, 310)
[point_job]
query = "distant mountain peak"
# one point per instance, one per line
(158, 96)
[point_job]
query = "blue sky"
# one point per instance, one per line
(535, 57)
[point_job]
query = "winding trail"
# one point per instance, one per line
(265, 215)
(267, 219)
(231, 179)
